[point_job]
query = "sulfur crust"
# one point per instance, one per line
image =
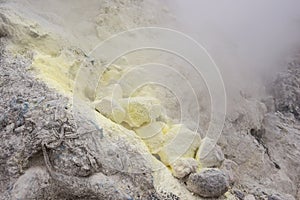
(153, 136)
(58, 69)
(51, 58)
(182, 142)
(140, 110)
(163, 178)
(55, 70)
(111, 109)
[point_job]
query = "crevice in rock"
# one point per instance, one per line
(257, 134)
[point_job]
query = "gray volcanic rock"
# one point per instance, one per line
(286, 89)
(183, 167)
(32, 114)
(209, 154)
(258, 151)
(265, 144)
(32, 184)
(208, 183)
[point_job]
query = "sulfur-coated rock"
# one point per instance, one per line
(140, 110)
(209, 153)
(180, 142)
(183, 167)
(208, 183)
(153, 135)
(111, 109)
(114, 90)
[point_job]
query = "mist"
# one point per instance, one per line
(250, 41)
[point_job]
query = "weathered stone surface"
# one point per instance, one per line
(209, 154)
(183, 167)
(265, 148)
(265, 151)
(249, 197)
(208, 183)
(32, 184)
(280, 197)
(286, 90)
(229, 167)
(31, 114)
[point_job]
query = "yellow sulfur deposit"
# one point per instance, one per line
(152, 134)
(141, 110)
(110, 75)
(147, 126)
(111, 109)
(145, 115)
(181, 142)
(114, 90)
(56, 70)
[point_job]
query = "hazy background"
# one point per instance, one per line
(249, 40)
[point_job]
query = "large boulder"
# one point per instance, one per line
(208, 183)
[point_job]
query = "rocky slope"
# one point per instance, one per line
(49, 151)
